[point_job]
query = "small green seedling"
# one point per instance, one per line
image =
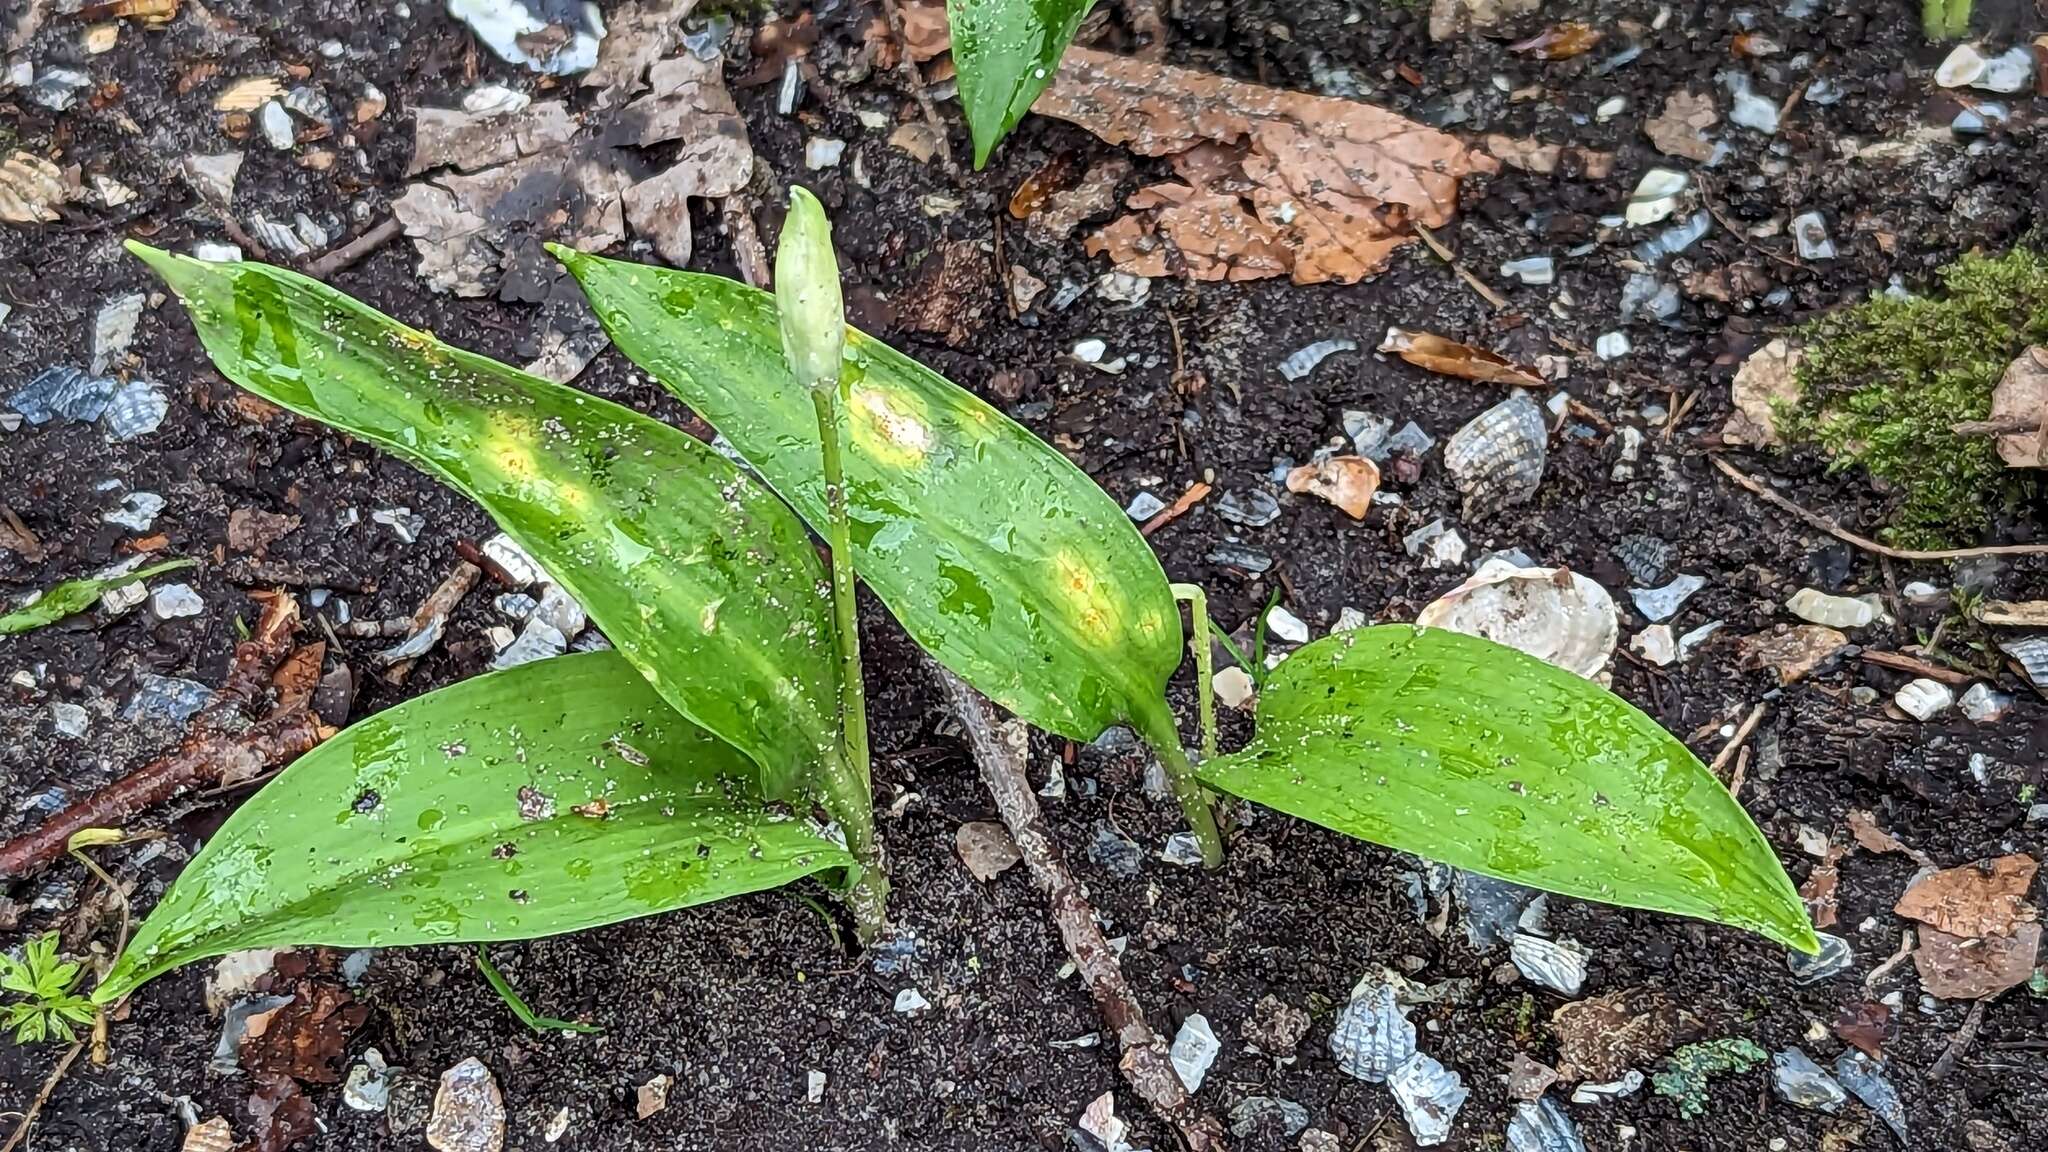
(75, 596)
(722, 747)
(1006, 52)
(48, 1007)
(1945, 19)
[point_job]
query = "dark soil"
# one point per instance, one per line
(738, 1002)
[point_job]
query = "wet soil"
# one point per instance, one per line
(741, 1001)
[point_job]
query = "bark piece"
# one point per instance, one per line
(1986, 899)
(2022, 394)
(1274, 181)
(1681, 129)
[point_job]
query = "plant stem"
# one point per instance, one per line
(1155, 723)
(852, 798)
(1205, 661)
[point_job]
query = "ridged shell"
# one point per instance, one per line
(1429, 1095)
(2032, 653)
(1543, 1126)
(1553, 614)
(1558, 966)
(1372, 1035)
(1497, 457)
(213, 1136)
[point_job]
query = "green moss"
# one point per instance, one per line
(1687, 1070)
(1881, 383)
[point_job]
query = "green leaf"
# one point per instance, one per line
(73, 596)
(698, 574)
(1476, 755)
(998, 555)
(550, 797)
(1006, 52)
(518, 1005)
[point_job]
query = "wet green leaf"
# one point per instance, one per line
(74, 596)
(1006, 52)
(1471, 753)
(998, 555)
(697, 573)
(550, 797)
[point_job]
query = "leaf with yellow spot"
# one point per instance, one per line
(650, 529)
(463, 815)
(998, 555)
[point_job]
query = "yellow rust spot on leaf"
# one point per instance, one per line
(1095, 614)
(890, 426)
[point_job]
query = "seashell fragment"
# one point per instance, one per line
(1303, 361)
(1556, 964)
(1429, 1095)
(1924, 699)
(1543, 1126)
(1553, 614)
(1194, 1050)
(1817, 607)
(1497, 457)
(113, 330)
(2032, 653)
(1799, 1081)
(213, 1136)
(1346, 481)
(1664, 603)
(1835, 956)
(1372, 1036)
(1864, 1078)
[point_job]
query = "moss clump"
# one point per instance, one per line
(1687, 1070)
(1881, 383)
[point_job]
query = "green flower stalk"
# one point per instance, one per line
(812, 317)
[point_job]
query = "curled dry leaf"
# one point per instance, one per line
(1681, 129)
(1791, 651)
(1559, 41)
(32, 189)
(1439, 354)
(1864, 1024)
(1872, 837)
(1346, 481)
(1768, 380)
(2022, 394)
(1984, 899)
(1274, 182)
(1971, 968)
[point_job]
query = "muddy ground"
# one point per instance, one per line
(739, 1002)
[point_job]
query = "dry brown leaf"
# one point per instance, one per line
(1602, 1037)
(1983, 899)
(1791, 651)
(1971, 968)
(1871, 837)
(954, 296)
(1864, 1024)
(252, 530)
(32, 189)
(1054, 216)
(1275, 181)
(1680, 130)
(1559, 41)
(1529, 155)
(2022, 394)
(1819, 895)
(986, 848)
(1427, 350)
(1769, 379)
(1346, 481)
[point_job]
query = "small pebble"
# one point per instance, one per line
(277, 126)
(175, 600)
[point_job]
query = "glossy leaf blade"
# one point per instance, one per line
(694, 570)
(1473, 754)
(549, 797)
(1006, 52)
(998, 555)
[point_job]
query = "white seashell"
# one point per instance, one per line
(1962, 67)
(1543, 1126)
(1304, 360)
(1285, 625)
(2008, 72)
(1194, 1048)
(1609, 1092)
(1924, 699)
(1655, 197)
(1372, 1035)
(1233, 687)
(1429, 1095)
(1558, 965)
(281, 239)
(1817, 607)
(2032, 653)
(1497, 457)
(1984, 705)
(1553, 614)
(1655, 644)
(495, 100)
(1664, 603)
(113, 330)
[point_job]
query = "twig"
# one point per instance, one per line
(35, 1107)
(440, 602)
(346, 256)
(1997, 427)
(1707, 200)
(915, 79)
(1444, 254)
(1905, 663)
(1196, 493)
(1956, 1047)
(1749, 724)
(209, 754)
(1679, 412)
(1828, 526)
(998, 747)
(1896, 959)
(747, 249)
(1741, 773)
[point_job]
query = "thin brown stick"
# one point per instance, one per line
(1707, 200)
(1196, 493)
(440, 602)
(347, 255)
(1828, 526)
(915, 80)
(35, 1107)
(1893, 961)
(747, 250)
(1998, 427)
(1904, 663)
(1749, 724)
(1960, 1044)
(1465, 274)
(998, 747)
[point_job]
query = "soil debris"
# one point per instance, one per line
(2021, 398)
(1765, 383)
(1973, 968)
(1433, 353)
(1346, 481)
(1792, 651)
(1275, 182)
(986, 848)
(1603, 1037)
(469, 1114)
(1681, 129)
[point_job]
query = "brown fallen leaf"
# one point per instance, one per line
(307, 1039)
(1275, 182)
(296, 679)
(954, 296)
(1529, 155)
(1602, 1037)
(1819, 894)
(1983, 899)
(1768, 380)
(1447, 357)
(251, 531)
(1060, 211)
(1791, 651)
(2022, 394)
(986, 848)
(1346, 481)
(1871, 837)
(1528, 1079)
(1680, 130)
(1559, 41)
(280, 1113)
(1972, 968)
(1865, 1024)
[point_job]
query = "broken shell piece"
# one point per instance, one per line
(1924, 699)
(1286, 626)
(1372, 1035)
(1961, 68)
(1429, 1095)
(1558, 965)
(1664, 603)
(495, 100)
(1817, 607)
(216, 1135)
(1864, 1078)
(1303, 361)
(1628, 1084)
(1767, 380)
(1834, 958)
(1543, 1126)
(1346, 481)
(1656, 645)
(2008, 72)
(1984, 705)
(1655, 197)
(1553, 614)
(469, 1114)
(1801, 1082)
(1233, 688)
(1194, 1049)
(555, 38)
(2022, 395)
(1497, 457)
(2032, 654)
(113, 330)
